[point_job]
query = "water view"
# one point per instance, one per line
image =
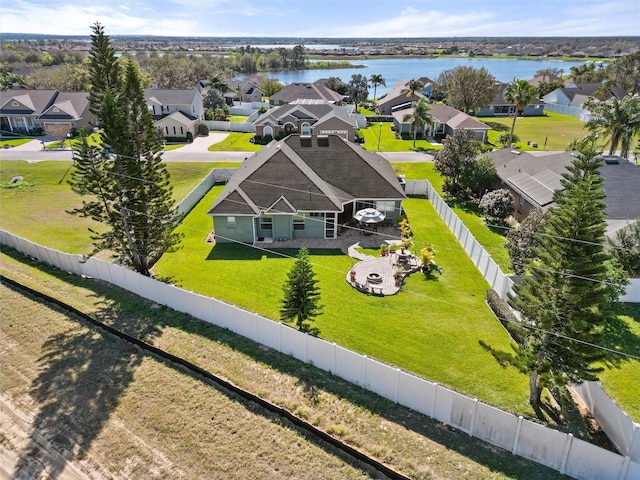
(394, 70)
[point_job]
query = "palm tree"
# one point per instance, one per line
(519, 93)
(420, 118)
(375, 80)
(619, 120)
(414, 86)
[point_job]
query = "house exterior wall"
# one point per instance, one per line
(533, 110)
(556, 97)
(243, 231)
(313, 227)
(254, 96)
(282, 226)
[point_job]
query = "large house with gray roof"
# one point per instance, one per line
(500, 107)
(400, 96)
(307, 117)
(533, 179)
(303, 187)
(25, 111)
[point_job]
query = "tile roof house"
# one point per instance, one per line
(316, 117)
(533, 178)
(500, 107)
(303, 187)
(305, 91)
(397, 96)
(446, 120)
(27, 110)
(175, 111)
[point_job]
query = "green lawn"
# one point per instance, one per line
(37, 209)
(235, 142)
(388, 142)
(237, 118)
(13, 142)
(432, 328)
(557, 129)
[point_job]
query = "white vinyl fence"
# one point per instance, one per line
(230, 126)
(577, 112)
(217, 175)
(554, 449)
(492, 273)
(621, 430)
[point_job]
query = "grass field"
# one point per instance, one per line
(13, 142)
(37, 208)
(127, 412)
(236, 142)
(553, 128)
(375, 135)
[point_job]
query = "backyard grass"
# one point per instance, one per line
(432, 328)
(237, 118)
(389, 143)
(133, 389)
(36, 208)
(557, 129)
(235, 142)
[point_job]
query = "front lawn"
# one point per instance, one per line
(374, 134)
(235, 142)
(13, 142)
(556, 129)
(36, 208)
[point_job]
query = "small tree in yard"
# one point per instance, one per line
(455, 159)
(625, 247)
(521, 241)
(497, 205)
(505, 138)
(301, 293)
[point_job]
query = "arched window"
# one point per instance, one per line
(305, 129)
(268, 131)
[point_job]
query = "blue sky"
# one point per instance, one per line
(326, 18)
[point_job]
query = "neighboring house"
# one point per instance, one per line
(500, 107)
(176, 112)
(575, 94)
(399, 96)
(304, 186)
(27, 110)
(446, 120)
(307, 117)
(539, 79)
(246, 91)
(533, 179)
(304, 91)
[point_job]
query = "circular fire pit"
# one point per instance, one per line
(374, 278)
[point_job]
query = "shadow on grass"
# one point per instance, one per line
(232, 251)
(137, 317)
(618, 336)
(499, 127)
(83, 374)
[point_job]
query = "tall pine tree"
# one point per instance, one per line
(301, 293)
(128, 185)
(565, 294)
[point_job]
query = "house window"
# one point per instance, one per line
(181, 131)
(298, 223)
(15, 104)
(316, 214)
(231, 222)
(266, 223)
(167, 129)
(56, 110)
(520, 204)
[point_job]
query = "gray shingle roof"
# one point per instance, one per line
(297, 91)
(287, 176)
(621, 180)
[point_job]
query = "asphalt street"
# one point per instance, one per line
(194, 152)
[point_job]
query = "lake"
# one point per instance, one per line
(394, 70)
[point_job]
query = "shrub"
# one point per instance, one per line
(203, 130)
(497, 205)
(189, 137)
(509, 321)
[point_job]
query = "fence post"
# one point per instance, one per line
(333, 360)
(565, 454)
(473, 416)
(364, 370)
(624, 468)
(395, 396)
(517, 436)
(433, 405)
